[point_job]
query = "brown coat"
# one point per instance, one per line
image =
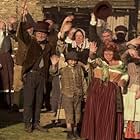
(72, 81)
(34, 52)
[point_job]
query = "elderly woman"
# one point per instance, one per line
(103, 116)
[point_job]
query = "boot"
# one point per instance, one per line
(40, 128)
(70, 136)
(14, 108)
(28, 127)
(76, 134)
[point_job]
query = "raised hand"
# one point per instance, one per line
(133, 53)
(54, 59)
(66, 27)
(93, 47)
(135, 42)
(68, 18)
(67, 23)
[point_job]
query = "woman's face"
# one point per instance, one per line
(108, 55)
(79, 38)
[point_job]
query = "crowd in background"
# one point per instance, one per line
(55, 67)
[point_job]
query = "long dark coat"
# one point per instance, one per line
(6, 72)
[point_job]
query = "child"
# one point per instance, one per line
(73, 87)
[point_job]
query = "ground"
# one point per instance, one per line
(12, 128)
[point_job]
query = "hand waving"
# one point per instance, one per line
(93, 47)
(54, 59)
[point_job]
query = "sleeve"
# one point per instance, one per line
(60, 46)
(23, 35)
(53, 70)
(7, 45)
(84, 83)
(30, 19)
(125, 57)
(125, 75)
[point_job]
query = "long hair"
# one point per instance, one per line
(111, 46)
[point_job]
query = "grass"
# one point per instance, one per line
(12, 128)
(15, 132)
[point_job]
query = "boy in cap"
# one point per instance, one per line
(73, 88)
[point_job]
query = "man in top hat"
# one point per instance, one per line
(35, 72)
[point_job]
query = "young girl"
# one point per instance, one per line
(103, 116)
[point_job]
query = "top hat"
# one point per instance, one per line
(103, 10)
(41, 26)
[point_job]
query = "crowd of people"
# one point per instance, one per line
(63, 68)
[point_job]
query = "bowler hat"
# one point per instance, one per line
(71, 56)
(102, 10)
(41, 26)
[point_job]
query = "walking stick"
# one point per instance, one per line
(60, 105)
(21, 16)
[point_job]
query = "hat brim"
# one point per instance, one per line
(102, 10)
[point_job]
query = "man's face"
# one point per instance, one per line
(106, 37)
(121, 36)
(40, 36)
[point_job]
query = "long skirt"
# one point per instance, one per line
(101, 120)
(132, 113)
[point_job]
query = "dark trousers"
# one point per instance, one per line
(33, 95)
(46, 97)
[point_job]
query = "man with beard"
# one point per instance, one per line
(6, 71)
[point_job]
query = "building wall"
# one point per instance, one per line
(13, 7)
